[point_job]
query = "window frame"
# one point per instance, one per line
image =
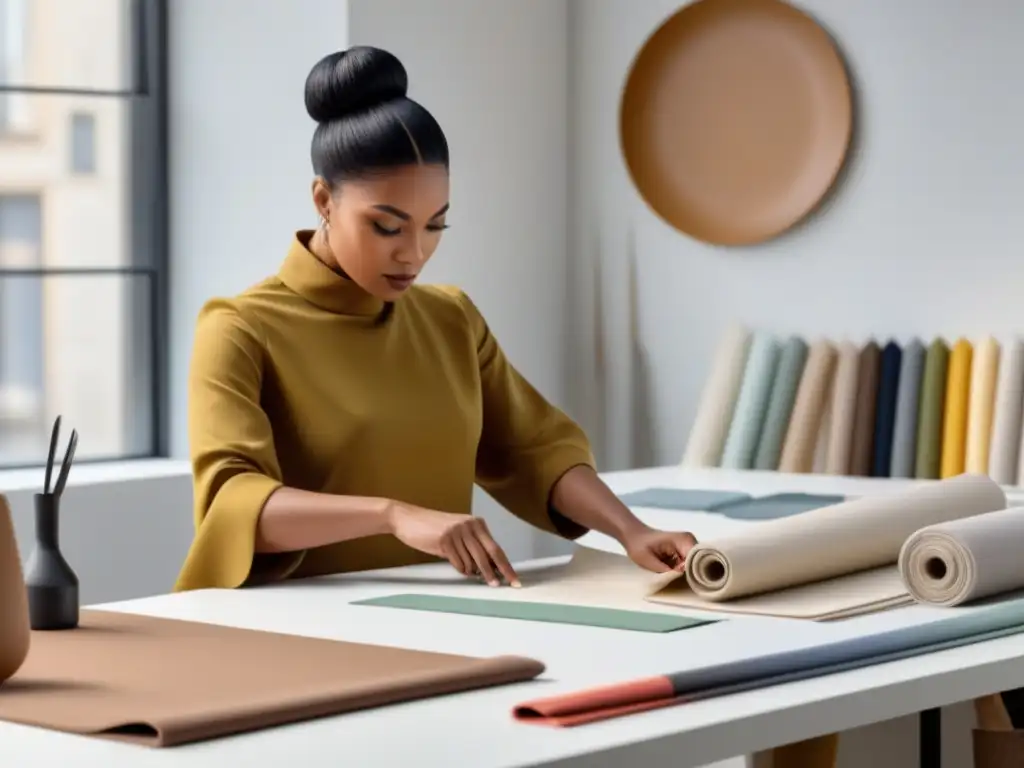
(148, 199)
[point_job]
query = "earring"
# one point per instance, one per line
(324, 223)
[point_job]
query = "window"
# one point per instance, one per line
(83, 143)
(83, 252)
(21, 327)
(14, 107)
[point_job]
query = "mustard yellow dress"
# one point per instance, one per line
(297, 382)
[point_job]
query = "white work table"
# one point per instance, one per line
(476, 728)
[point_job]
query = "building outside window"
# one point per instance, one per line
(83, 143)
(82, 226)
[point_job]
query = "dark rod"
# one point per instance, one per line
(930, 738)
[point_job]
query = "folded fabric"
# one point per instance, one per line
(904, 432)
(844, 410)
(776, 505)
(808, 409)
(1006, 421)
(163, 682)
(981, 404)
(792, 359)
(718, 400)
(927, 461)
(752, 402)
(552, 613)
(962, 560)
(954, 423)
(683, 499)
(863, 441)
(763, 671)
(885, 411)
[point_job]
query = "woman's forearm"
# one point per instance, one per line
(293, 520)
(583, 497)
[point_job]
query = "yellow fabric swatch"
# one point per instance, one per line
(981, 404)
(954, 426)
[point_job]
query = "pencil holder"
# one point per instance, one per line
(52, 584)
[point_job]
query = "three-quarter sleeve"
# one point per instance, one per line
(234, 463)
(526, 443)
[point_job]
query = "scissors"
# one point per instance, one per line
(65, 467)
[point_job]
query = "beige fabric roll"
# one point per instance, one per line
(718, 399)
(809, 409)
(963, 560)
(832, 541)
(844, 409)
(1006, 421)
(981, 405)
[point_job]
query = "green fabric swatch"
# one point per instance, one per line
(608, 618)
(930, 408)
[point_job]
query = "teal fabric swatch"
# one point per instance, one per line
(752, 403)
(681, 499)
(792, 359)
(778, 505)
(607, 618)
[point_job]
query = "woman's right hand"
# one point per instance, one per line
(463, 540)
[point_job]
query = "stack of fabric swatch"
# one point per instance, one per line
(879, 410)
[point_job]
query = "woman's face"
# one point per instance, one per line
(383, 230)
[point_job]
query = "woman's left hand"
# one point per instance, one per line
(659, 551)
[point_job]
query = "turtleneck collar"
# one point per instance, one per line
(321, 286)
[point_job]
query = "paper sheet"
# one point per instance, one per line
(606, 579)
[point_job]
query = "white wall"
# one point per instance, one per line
(240, 169)
(922, 237)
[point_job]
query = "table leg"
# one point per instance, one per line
(930, 738)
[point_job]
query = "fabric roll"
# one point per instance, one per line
(981, 404)
(844, 410)
(808, 409)
(1004, 450)
(904, 433)
(792, 360)
(954, 421)
(718, 400)
(851, 537)
(962, 560)
(752, 402)
(885, 411)
(928, 456)
(863, 440)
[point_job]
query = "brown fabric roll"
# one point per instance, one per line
(863, 442)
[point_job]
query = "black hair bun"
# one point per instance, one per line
(354, 80)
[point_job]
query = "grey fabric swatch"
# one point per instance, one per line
(904, 438)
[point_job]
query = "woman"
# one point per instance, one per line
(340, 414)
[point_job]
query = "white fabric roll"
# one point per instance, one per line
(967, 559)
